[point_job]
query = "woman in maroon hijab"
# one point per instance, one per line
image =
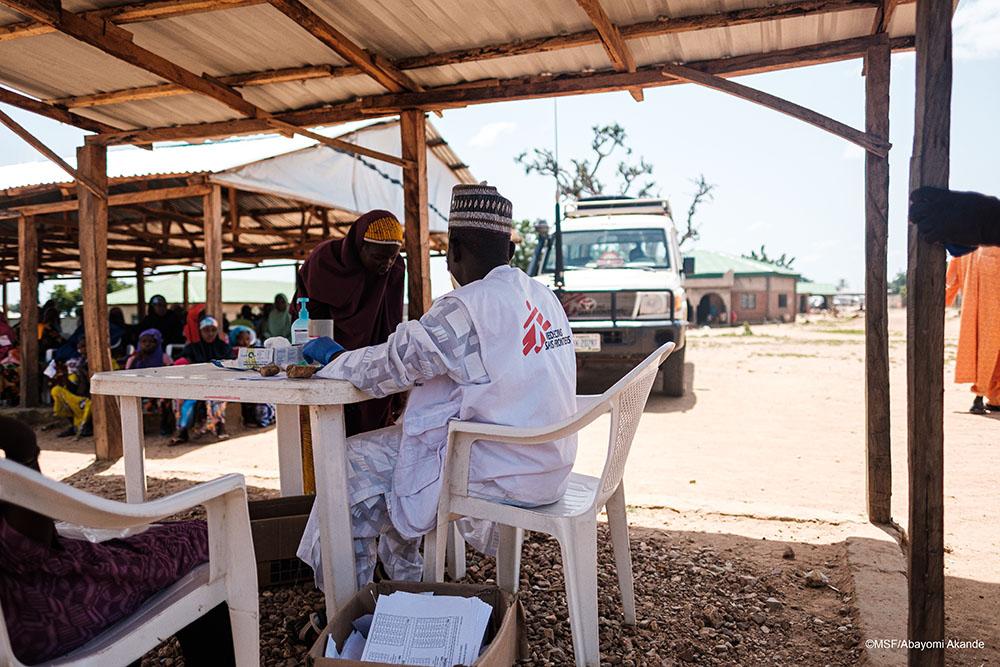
(358, 282)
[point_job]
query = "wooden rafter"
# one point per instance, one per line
(507, 90)
(883, 16)
(540, 45)
(159, 194)
(53, 111)
(239, 80)
(39, 146)
(112, 40)
(374, 65)
(611, 39)
(133, 12)
(876, 145)
(117, 42)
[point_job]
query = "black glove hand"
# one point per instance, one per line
(958, 218)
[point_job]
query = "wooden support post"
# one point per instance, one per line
(234, 216)
(91, 160)
(213, 252)
(3, 286)
(186, 289)
(877, 442)
(140, 287)
(925, 340)
(27, 247)
(417, 231)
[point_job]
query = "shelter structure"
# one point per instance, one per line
(162, 70)
(271, 203)
(725, 289)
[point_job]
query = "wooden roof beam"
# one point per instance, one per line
(512, 89)
(39, 146)
(53, 111)
(611, 39)
(375, 66)
(540, 45)
(133, 12)
(883, 16)
(239, 80)
(876, 145)
(114, 41)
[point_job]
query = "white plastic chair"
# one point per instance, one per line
(229, 576)
(572, 520)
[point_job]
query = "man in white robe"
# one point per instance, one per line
(496, 350)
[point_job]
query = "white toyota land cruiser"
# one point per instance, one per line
(623, 288)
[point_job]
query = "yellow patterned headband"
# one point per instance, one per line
(386, 231)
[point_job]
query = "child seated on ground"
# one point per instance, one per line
(71, 392)
(150, 354)
(58, 593)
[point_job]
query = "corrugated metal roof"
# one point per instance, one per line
(708, 264)
(259, 37)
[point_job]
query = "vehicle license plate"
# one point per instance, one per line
(587, 342)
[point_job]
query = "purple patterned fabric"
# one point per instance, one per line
(57, 599)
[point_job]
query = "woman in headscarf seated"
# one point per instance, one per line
(254, 415)
(150, 354)
(50, 585)
(358, 282)
(10, 363)
(209, 347)
(279, 320)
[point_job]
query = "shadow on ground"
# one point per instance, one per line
(658, 403)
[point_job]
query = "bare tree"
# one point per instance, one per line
(581, 178)
(704, 191)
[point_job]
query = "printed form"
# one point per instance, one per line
(432, 630)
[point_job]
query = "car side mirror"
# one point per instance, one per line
(688, 266)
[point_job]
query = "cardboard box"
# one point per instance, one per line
(505, 634)
(276, 526)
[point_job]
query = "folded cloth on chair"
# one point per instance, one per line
(57, 598)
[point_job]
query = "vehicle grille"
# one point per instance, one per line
(598, 305)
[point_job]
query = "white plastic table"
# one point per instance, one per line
(325, 398)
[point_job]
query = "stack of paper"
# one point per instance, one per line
(435, 630)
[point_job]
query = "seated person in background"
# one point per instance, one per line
(209, 347)
(71, 392)
(49, 584)
(10, 363)
(497, 350)
(195, 314)
(49, 332)
(279, 320)
(358, 282)
(245, 318)
(165, 321)
(254, 415)
(150, 354)
(121, 334)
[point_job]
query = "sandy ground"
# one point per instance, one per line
(769, 445)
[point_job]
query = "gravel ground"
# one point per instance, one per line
(700, 601)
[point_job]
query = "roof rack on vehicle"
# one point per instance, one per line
(617, 205)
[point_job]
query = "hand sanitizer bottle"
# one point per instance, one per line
(300, 327)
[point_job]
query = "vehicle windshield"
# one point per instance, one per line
(611, 249)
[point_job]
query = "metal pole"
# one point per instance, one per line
(559, 282)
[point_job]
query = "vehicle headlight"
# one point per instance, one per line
(653, 303)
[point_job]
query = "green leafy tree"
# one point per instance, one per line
(67, 300)
(898, 284)
(525, 249)
(761, 255)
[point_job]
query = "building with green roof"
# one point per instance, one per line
(727, 289)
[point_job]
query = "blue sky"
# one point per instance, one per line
(780, 182)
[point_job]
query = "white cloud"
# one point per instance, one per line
(489, 134)
(760, 225)
(852, 152)
(977, 30)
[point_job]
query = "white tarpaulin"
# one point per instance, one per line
(329, 177)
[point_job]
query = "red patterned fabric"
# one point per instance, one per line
(56, 599)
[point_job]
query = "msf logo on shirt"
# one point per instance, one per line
(539, 334)
(534, 330)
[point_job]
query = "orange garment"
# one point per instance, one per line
(977, 275)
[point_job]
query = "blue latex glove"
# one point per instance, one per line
(321, 350)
